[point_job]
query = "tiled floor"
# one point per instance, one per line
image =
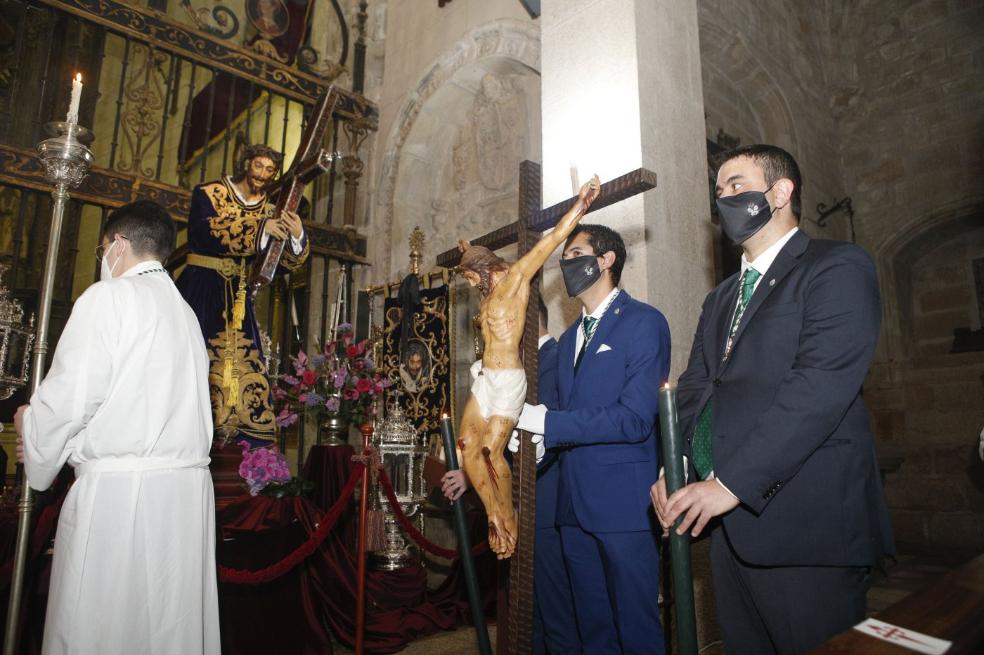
(909, 573)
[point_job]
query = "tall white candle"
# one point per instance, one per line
(73, 106)
(575, 181)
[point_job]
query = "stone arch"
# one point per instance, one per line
(895, 255)
(726, 54)
(503, 47)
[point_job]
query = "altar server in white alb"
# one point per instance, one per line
(126, 404)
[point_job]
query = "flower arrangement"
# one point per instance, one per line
(340, 381)
(262, 467)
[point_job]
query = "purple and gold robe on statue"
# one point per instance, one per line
(223, 238)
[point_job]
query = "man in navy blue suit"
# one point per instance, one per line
(610, 364)
(779, 435)
(554, 624)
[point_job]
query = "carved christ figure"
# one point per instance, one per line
(499, 381)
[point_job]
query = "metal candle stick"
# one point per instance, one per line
(66, 160)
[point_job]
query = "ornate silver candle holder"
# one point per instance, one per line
(402, 458)
(66, 160)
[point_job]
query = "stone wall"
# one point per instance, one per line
(912, 140)
(459, 109)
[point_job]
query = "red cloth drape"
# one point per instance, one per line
(298, 612)
(400, 608)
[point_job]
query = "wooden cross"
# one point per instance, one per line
(515, 579)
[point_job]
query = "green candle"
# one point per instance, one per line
(683, 584)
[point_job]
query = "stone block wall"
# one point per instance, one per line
(912, 139)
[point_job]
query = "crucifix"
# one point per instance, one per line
(515, 594)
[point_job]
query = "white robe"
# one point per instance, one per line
(126, 404)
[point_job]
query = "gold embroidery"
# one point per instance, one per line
(241, 403)
(236, 225)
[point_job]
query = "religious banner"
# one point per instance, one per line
(421, 373)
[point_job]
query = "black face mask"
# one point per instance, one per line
(744, 214)
(580, 273)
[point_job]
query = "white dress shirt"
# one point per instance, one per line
(597, 313)
(762, 263)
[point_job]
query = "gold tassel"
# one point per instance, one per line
(239, 307)
(233, 398)
(227, 373)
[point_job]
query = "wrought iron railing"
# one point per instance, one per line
(173, 92)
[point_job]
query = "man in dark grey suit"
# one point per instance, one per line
(780, 443)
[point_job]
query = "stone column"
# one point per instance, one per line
(621, 89)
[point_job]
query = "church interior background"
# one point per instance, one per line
(879, 100)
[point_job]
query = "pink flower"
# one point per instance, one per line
(350, 394)
(286, 418)
(309, 377)
(363, 385)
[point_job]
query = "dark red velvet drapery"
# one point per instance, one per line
(300, 611)
(318, 596)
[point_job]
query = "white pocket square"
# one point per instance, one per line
(603, 348)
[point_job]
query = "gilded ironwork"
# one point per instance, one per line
(307, 61)
(20, 167)
(164, 33)
(141, 122)
(225, 18)
(416, 241)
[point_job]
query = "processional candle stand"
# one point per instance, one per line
(66, 160)
(403, 460)
(683, 583)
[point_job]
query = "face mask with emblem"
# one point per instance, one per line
(744, 214)
(580, 273)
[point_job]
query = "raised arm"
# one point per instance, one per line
(531, 262)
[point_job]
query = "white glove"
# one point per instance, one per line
(533, 419)
(535, 439)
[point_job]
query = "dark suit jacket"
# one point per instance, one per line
(548, 470)
(791, 435)
(606, 422)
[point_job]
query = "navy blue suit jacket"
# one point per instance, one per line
(605, 424)
(548, 470)
(791, 435)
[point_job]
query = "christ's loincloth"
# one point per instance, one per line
(499, 391)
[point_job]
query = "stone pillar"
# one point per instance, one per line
(621, 89)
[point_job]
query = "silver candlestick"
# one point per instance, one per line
(66, 158)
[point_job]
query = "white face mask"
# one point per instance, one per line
(105, 271)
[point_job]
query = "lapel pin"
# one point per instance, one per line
(772, 282)
(618, 309)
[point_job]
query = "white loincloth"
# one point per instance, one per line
(499, 391)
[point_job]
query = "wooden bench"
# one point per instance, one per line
(952, 608)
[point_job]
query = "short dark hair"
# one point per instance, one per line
(252, 152)
(603, 239)
(775, 163)
(146, 225)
